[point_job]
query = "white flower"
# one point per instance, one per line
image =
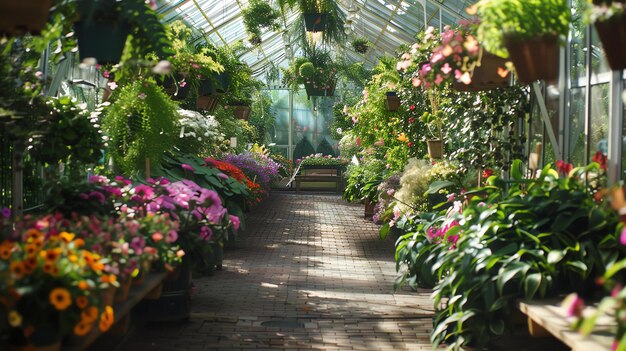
(163, 67)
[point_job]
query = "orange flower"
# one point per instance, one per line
(17, 268)
(79, 243)
(50, 268)
(51, 255)
(108, 278)
(60, 298)
(5, 250)
(88, 257)
(82, 285)
(83, 328)
(38, 243)
(89, 314)
(33, 234)
(106, 319)
(30, 264)
(81, 302)
(31, 249)
(67, 237)
(97, 266)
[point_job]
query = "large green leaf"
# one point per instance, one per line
(531, 284)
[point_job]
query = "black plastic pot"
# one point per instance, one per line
(393, 101)
(315, 22)
(102, 40)
(313, 91)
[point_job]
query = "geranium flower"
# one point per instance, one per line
(446, 69)
(563, 167)
(487, 173)
(600, 159)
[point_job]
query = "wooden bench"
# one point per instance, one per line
(548, 318)
(320, 174)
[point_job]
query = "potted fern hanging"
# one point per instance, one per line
(259, 16)
(529, 32)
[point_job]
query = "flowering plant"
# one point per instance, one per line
(322, 160)
(415, 183)
(52, 286)
(199, 134)
(259, 168)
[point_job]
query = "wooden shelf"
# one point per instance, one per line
(551, 317)
(137, 293)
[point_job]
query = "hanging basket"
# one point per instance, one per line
(208, 103)
(485, 76)
(18, 17)
(174, 88)
(313, 91)
(315, 22)
(241, 111)
(435, 149)
(393, 101)
(102, 40)
(535, 59)
(223, 80)
(612, 33)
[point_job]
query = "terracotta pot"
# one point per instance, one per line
(392, 102)
(612, 33)
(208, 103)
(23, 16)
(485, 76)
(107, 295)
(173, 275)
(369, 209)
(121, 295)
(435, 148)
(315, 22)
(241, 112)
(535, 59)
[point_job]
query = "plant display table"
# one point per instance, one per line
(320, 174)
(548, 318)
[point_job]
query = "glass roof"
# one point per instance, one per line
(386, 23)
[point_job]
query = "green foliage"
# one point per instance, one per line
(363, 180)
(70, 135)
(361, 45)
(523, 239)
(335, 18)
(303, 149)
(260, 15)
(141, 124)
(325, 148)
(520, 19)
(262, 118)
(307, 70)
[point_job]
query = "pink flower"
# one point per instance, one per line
(446, 69)
(187, 167)
(451, 197)
(574, 306)
(436, 57)
(142, 96)
(438, 79)
(157, 236)
(235, 221)
(622, 237)
(112, 85)
(222, 175)
(106, 74)
(183, 84)
(195, 65)
(416, 82)
(171, 237)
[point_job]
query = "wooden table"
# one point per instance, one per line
(547, 317)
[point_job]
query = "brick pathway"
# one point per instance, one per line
(316, 271)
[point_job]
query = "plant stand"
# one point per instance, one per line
(535, 59)
(315, 22)
(23, 16)
(393, 101)
(612, 33)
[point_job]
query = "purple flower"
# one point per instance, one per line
(6, 212)
(187, 167)
(171, 237)
(206, 233)
(235, 221)
(137, 244)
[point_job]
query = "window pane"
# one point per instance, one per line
(577, 127)
(599, 128)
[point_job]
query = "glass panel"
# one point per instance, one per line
(577, 127)
(598, 60)
(599, 128)
(577, 45)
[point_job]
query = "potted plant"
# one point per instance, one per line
(319, 16)
(19, 17)
(609, 18)
(259, 16)
(241, 110)
(361, 45)
(393, 101)
(529, 32)
(316, 71)
(433, 122)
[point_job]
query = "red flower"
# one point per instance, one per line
(412, 107)
(564, 167)
(411, 120)
(600, 159)
(410, 144)
(487, 173)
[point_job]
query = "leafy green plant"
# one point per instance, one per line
(258, 16)
(141, 124)
(521, 239)
(520, 19)
(363, 181)
(316, 69)
(335, 18)
(361, 45)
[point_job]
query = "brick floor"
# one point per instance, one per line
(314, 267)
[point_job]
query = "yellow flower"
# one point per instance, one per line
(33, 234)
(67, 237)
(403, 138)
(60, 298)
(82, 285)
(15, 319)
(51, 255)
(106, 319)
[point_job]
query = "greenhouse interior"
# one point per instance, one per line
(312, 175)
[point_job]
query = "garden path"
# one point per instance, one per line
(315, 268)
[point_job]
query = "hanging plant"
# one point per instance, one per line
(361, 45)
(141, 125)
(609, 18)
(259, 16)
(323, 16)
